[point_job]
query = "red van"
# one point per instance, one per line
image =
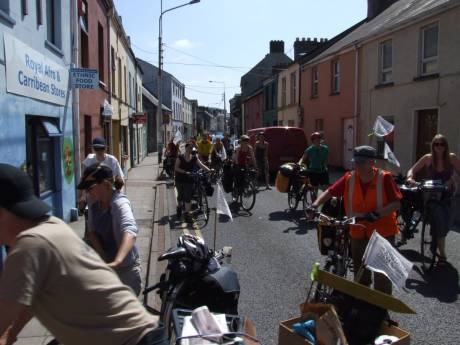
(286, 144)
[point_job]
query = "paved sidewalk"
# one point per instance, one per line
(147, 196)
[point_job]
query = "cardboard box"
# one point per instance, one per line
(404, 336)
(328, 328)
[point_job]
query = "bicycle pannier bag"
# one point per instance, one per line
(282, 183)
(227, 178)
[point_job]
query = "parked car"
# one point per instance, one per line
(286, 144)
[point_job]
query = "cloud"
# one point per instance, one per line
(185, 44)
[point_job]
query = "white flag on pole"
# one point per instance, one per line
(382, 127)
(380, 256)
(390, 156)
(222, 205)
(177, 137)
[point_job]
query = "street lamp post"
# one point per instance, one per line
(225, 103)
(160, 74)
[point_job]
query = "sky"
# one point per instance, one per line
(220, 40)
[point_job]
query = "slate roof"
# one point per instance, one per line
(253, 79)
(401, 12)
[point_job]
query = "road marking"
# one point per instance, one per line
(197, 229)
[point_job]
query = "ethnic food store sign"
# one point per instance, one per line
(31, 74)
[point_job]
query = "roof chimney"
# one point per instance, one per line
(276, 47)
(375, 7)
(305, 46)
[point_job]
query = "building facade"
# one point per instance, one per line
(289, 113)
(188, 118)
(177, 104)
(119, 56)
(410, 75)
(270, 93)
(253, 108)
(235, 120)
(328, 101)
(36, 124)
(94, 105)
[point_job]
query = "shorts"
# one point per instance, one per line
(184, 191)
(319, 178)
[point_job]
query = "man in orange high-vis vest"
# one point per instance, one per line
(372, 194)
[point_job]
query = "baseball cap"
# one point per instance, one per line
(99, 143)
(18, 195)
(244, 138)
(363, 153)
(94, 174)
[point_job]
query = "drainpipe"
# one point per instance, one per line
(356, 105)
(75, 93)
(109, 22)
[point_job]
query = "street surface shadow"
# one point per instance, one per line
(440, 282)
(237, 211)
(301, 225)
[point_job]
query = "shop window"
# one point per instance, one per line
(42, 139)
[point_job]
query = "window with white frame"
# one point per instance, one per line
(386, 62)
(429, 53)
(336, 76)
(314, 81)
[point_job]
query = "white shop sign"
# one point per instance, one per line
(31, 74)
(84, 78)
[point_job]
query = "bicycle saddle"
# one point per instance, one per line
(173, 253)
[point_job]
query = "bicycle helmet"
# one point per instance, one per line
(315, 135)
(195, 246)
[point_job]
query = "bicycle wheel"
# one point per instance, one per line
(203, 202)
(307, 199)
(323, 292)
(293, 200)
(427, 246)
(248, 196)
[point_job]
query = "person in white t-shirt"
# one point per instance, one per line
(100, 155)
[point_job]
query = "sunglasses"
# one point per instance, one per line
(439, 144)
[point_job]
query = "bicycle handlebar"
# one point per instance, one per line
(323, 219)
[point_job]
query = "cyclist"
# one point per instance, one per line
(227, 142)
(218, 154)
(204, 148)
(242, 158)
(371, 193)
(261, 153)
(315, 158)
(186, 164)
(53, 275)
(111, 223)
(440, 164)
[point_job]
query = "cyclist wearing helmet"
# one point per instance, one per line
(440, 164)
(186, 164)
(315, 158)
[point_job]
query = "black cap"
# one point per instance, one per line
(99, 143)
(18, 195)
(94, 174)
(363, 153)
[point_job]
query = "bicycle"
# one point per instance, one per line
(199, 194)
(336, 244)
(409, 214)
(244, 191)
(195, 276)
(300, 190)
(433, 194)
